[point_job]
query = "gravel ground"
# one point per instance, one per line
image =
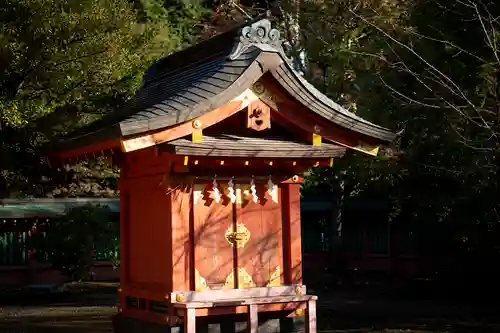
(60, 319)
(92, 313)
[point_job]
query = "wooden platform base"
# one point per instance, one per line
(268, 323)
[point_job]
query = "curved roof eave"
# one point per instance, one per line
(310, 97)
(180, 89)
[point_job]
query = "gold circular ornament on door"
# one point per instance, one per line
(239, 237)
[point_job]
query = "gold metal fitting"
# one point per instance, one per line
(196, 124)
(299, 312)
(180, 297)
(298, 290)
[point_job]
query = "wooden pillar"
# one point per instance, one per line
(292, 238)
(190, 321)
(311, 320)
(181, 240)
(124, 229)
(253, 318)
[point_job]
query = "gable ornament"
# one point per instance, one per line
(259, 34)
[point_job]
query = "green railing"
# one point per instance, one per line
(377, 239)
(353, 240)
(316, 231)
(13, 248)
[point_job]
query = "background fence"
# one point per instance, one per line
(16, 247)
(365, 229)
(13, 248)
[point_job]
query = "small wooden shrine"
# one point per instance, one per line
(211, 150)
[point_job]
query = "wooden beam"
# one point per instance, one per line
(238, 294)
(105, 146)
(204, 168)
(245, 302)
(186, 128)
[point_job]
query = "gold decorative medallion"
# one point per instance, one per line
(200, 282)
(259, 88)
(265, 95)
(239, 237)
(275, 279)
(244, 279)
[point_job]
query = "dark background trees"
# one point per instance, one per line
(429, 68)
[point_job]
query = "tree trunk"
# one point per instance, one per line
(337, 248)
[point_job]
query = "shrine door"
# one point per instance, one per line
(237, 244)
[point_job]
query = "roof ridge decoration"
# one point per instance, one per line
(260, 34)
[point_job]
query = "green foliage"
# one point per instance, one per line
(66, 63)
(430, 68)
(62, 52)
(71, 238)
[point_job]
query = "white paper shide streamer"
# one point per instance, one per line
(232, 195)
(216, 192)
(270, 186)
(253, 191)
(272, 190)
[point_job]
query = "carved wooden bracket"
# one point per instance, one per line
(258, 116)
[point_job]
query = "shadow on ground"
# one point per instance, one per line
(91, 311)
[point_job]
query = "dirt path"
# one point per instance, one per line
(56, 319)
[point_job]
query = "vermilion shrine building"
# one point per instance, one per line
(211, 150)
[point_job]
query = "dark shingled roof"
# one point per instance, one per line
(185, 93)
(198, 79)
(239, 146)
